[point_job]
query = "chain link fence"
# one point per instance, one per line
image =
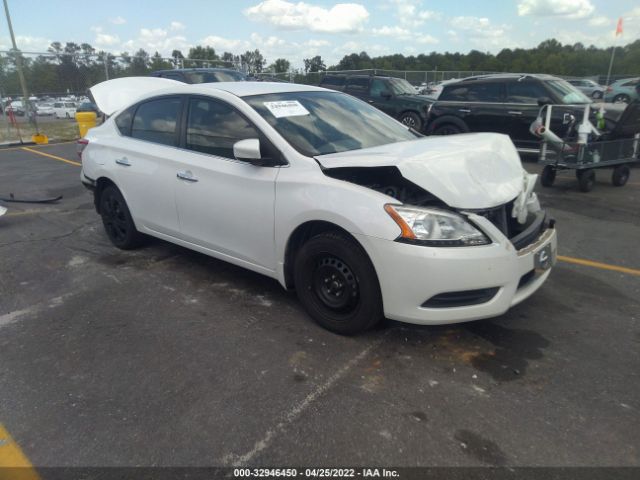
(57, 84)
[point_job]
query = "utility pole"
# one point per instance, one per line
(18, 55)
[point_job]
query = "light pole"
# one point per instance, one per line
(23, 83)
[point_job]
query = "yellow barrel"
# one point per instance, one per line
(86, 120)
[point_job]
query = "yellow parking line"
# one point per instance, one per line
(603, 266)
(14, 465)
(8, 149)
(55, 157)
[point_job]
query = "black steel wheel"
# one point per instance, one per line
(447, 129)
(586, 179)
(117, 220)
(620, 175)
(412, 120)
(337, 284)
(548, 176)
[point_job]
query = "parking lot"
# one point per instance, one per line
(163, 356)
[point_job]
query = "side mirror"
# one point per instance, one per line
(385, 95)
(542, 101)
(248, 150)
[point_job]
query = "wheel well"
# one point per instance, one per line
(101, 184)
(448, 119)
(298, 238)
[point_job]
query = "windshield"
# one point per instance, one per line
(218, 76)
(401, 87)
(319, 123)
(567, 92)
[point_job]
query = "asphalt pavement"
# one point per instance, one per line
(166, 357)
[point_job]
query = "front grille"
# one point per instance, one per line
(521, 235)
(461, 299)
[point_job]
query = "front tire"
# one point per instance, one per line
(337, 284)
(620, 175)
(117, 220)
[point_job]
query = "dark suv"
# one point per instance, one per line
(394, 96)
(507, 104)
(201, 75)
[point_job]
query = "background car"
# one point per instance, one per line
(394, 96)
(504, 103)
(45, 108)
(201, 75)
(588, 87)
(64, 109)
(87, 107)
(622, 91)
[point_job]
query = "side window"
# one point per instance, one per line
(123, 121)
(525, 92)
(333, 81)
(357, 84)
(378, 87)
(156, 121)
(57, 105)
(213, 127)
(454, 93)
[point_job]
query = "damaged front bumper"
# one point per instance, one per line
(436, 285)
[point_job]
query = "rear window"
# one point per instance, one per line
(476, 92)
(156, 121)
(358, 84)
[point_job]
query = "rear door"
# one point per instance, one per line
(358, 86)
(224, 204)
(144, 162)
(479, 104)
(381, 96)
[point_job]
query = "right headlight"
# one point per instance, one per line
(433, 227)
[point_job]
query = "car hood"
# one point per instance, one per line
(113, 95)
(470, 171)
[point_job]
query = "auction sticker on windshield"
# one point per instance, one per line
(286, 108)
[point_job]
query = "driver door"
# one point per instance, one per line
(224, 205)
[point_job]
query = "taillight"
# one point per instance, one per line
(80, 146)
(609, 89)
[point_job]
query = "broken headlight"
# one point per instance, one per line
(433, 227)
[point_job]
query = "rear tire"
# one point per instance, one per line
(596, 95)
(548, 176)
(586, 179)
(447, 129)
(620, 175)
(621, 98)
(337, 284)
(412, 120)
(117, 220)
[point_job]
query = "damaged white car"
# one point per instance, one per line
(362, 216)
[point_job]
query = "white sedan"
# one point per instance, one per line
(362, 216)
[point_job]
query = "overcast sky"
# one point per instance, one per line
(296, 30)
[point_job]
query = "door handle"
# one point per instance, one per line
(515, 112)
(464, 110)
(370, 101)
(124, 161)
(186, 175)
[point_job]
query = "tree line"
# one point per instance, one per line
(73, 67)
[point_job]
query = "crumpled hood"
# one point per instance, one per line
(471, 171)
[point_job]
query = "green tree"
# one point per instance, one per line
(281, 65)
(314, 64)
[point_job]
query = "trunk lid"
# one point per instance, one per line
(471, 171)
(113, 95)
